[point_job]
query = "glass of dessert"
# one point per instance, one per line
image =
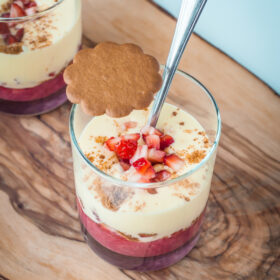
(38, 39)
(141, 191)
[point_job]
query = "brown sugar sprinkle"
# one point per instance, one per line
(202, 133)
(147, 234)
(174, 113)
(100, 139)
(127, 236)
(139, 206)
(196, 156)
(181, 123)
(152, 191)
(188, 130)
(195, 139)
(11, 49)
(182, 196)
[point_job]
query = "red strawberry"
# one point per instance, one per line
(153, 141)
(149, 130)
(141, 165)
(155, 155)
(19, 3)
(4, 29)
(30, 4)
(31, 11)
(125, 166)
(25, 2)
(133, 136)
(19, 34)
(174, 162)
(129, 124)
(161, 176)
(10, 39)
(141, 152)
(16, 11)
(111, 143)
(149, 174)
(125, 149)
(166, 141)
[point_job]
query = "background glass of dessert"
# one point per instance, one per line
(149, 226)
(38, 39)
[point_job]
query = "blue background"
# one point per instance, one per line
(246, 30)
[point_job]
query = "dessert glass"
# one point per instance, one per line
(31, 70)
(176, 230)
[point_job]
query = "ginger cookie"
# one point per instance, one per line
(112, 79)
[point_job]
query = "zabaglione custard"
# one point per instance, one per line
(35, 50)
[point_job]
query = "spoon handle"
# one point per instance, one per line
(189, 13)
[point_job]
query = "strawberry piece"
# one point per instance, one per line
(155, 155)
(129, 124)
(132, 136)
(141, 165)
(19, 3)
(30, 4)
(141, 152)
(19, 34)
(149, 174)
(153, 141)
(149, 130)
(125, 149)
(4, 28)
(125, 166)
(31, 11)
(166, 141)
(111, 143)
(16, 11)
(25, 2)
(174, 162)
(10, 39)
(5, 15)
(161, 176)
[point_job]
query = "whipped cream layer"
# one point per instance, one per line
(140, 214)
(48, 46)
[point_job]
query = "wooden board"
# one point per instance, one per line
(39, 229)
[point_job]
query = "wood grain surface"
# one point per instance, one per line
(39, 229)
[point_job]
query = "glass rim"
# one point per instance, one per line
(123, 183)
(28, 17)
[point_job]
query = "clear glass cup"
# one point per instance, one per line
(104, 229)
(34, 50)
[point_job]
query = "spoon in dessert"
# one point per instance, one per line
(189, 13)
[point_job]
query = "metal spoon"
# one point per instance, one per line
(189, 13)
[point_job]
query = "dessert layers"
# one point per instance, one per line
(137, 213)
(48, 45)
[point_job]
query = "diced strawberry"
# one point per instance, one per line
(129, 124)
(166, 141)
(10, 39)
(161, 176)
(174, 162)
(25, 2)
(152, 141)
(19, 34)
(155, 155)
(149, 130)
(4, 28)
(125, 166)
(31, 11)
(149, 174)
(141, 152)
(5, 15)
(112, 142)
(125, 149)
(132, 136)
(16, 11)
(19, 3)
(141, 165)
(30, 4)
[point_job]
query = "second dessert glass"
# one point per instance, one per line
(34, 50)
(159, 236)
